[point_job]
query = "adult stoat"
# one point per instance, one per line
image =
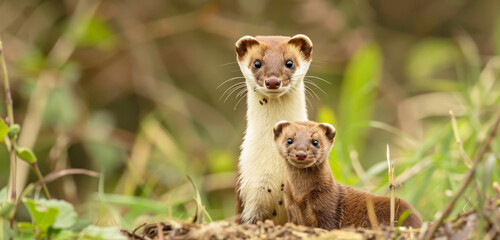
(312, 196)
(274, 68)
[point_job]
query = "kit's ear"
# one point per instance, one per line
(245, 43)
(278, 128)
(330, 131)
(302, 42)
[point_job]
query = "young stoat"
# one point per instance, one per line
(312, 196)
(274, 68)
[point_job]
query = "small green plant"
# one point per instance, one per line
(50, 218)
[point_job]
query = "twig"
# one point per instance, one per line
(159, 227)
(13, 138)
(72, 171)
(10, 113)
(371, 214)
(392, 185)
(40, 177)
(58, 56)
(479, 156)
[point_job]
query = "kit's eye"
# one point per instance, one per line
(257, 64)
(289, 64)
(289, 141)
(314, 143)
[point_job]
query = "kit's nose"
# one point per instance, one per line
(301, 155)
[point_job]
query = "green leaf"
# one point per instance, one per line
(25, 231)
(357, 99)
(43, 216)
(4, 129)
(26, 154)
(25, 226)
(67, 216)
(101, 233)
(63, 235)
(5, 209)
(14, 130)
(403, 217)
(3, 195)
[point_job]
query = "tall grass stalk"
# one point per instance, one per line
(392, 184)
(470, 175)
(12, 145)
(10, 114)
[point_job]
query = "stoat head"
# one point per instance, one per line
(272, 65)
(304, 144)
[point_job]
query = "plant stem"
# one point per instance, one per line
(478, 157)
(40, 177)
(10, 113)
(461, 150)
(392, 184)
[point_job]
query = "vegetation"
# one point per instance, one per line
(115, 103)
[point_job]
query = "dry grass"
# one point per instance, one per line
(459, 227)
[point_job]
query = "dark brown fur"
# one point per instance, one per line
(313, 197)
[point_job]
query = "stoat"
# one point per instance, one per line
(312, 196)
(274, 68)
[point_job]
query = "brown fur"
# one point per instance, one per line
(273, 52)
(313, 197)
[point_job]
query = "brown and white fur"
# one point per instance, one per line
(312, 196)
(275, 93)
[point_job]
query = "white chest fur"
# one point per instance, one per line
(262, 170)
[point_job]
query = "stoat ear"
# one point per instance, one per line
(243, 44)
(330, 131)
(302, 42)
(278, 128)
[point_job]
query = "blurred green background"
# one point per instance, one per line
(129, 89)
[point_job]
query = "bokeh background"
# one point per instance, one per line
(130, 89)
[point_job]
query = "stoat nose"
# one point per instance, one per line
(301, 155)
(273, 83)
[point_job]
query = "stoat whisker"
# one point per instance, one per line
(316, 77)
(307, 99)
(229, 63)
(310, 91)
(242, 97)
(233, 91)
(315, 85)
(229, 80)
(236, 85)
(240, 93)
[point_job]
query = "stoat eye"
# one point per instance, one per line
(289, 141)
(289, 64)
(257, 64)
(315, 143)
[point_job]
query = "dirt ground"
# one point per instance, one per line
(467, 225)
